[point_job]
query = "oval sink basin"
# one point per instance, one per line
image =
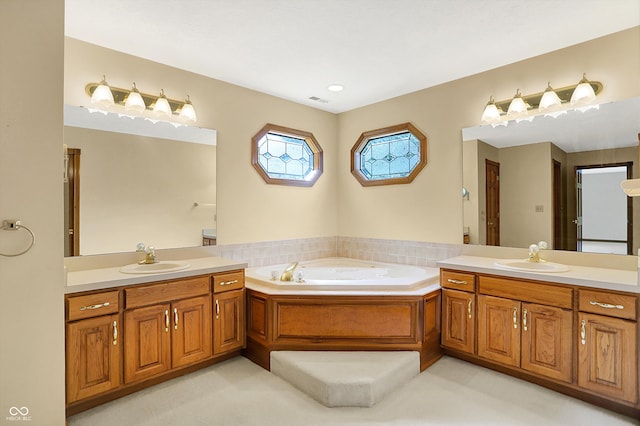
(526, 266)
(154, 268)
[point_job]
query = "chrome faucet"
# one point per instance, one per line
(534, 251)
(150, 254)
(287, 275)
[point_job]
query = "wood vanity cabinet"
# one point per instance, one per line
(576, 340)
(93, 345)
(124, 339)
(229, 332)
(607, 349)
(526, 324)
(168, 335)
(458, 311)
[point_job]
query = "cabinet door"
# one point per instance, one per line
(191, 335)
(458, 325)
(229, 321)
(607, 356)
(499, 329)
(547, 341)
(147, 344)
(93, 356)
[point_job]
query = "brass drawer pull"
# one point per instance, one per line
(166, 320)
(469, 304)
(524, 319)
(515, 317)
(175, 318)
(217, 309)
(583, 333)
(115, 333)
(452, 281)
(97, 306)
(228, 282)
(606, 305)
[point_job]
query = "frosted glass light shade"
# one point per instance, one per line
(134, 101)
(188, 113)
(162, 106)
(550, 100)
(583, 93)
(102, 94)
(491, 113)
(517, 107)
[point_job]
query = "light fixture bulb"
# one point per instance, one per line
(134, 100)
(162, 106)
(491, 112)
(102, 94)
(188, 113)
(583, 93)
(550, 100)
(517, 107)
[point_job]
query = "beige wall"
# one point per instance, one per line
(430, 209)
(139, 189)
(525, 182)
(31, 286)
(248, 209)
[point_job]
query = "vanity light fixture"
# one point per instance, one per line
(153, 107)
(162, 107)
(550, 100)
(584, 93)
(517, 107)
(134, 101)
(578, 96)
(102, 94)
(187, 113)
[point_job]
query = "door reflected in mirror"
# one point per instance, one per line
(555, 179)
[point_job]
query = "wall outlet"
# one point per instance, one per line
(539, 209)
(10, 224)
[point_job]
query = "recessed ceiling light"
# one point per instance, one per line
(336, 88)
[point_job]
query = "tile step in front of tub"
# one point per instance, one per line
(346, 379)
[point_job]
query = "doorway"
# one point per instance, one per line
(492, 178)
(604, 212)
(72, 203)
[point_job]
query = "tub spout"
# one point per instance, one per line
(287, 275)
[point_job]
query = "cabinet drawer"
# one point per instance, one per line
(457, 280)
(165, 292)
(527, 291)
(92, 305)
(228, 281)
(610, 304)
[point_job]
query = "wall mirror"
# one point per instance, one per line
(555, 179)
(129, 182)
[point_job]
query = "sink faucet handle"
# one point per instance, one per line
(543, 245)
(140, 247)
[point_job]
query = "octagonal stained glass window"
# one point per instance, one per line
(286, 156)
(392, 155)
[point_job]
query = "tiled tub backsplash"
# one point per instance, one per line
(286, 251)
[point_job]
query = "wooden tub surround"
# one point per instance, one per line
(330, 322)
(583, 342)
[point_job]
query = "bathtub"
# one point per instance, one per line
(343, 304)
(342, 274)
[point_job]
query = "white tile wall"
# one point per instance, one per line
(380, 250)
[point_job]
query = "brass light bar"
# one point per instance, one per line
(532, 101)
(120, 97)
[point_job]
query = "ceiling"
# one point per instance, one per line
(376, 49)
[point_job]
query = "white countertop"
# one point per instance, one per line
(604, 278)
(103, 278)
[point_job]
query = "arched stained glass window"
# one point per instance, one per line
(285, 156)
(392, 155)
